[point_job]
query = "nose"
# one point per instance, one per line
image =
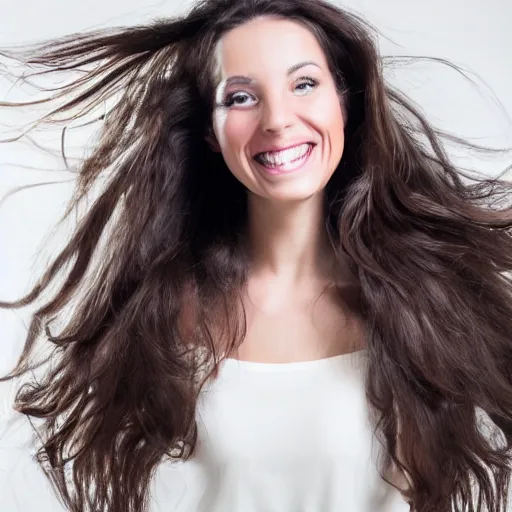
(277, 115)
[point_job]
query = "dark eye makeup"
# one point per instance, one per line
(231, 98)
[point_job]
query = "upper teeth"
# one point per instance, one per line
(285, 156)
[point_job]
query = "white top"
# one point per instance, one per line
(290, 437)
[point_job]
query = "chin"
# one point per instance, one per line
(292, 194)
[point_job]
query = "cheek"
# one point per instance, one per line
(329, 112)
(330, 117)
(233, 132)
(237, 131)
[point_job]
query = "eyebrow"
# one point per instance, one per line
(240, 79)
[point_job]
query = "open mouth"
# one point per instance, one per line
(286, 160)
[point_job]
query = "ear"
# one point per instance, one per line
(212, 141)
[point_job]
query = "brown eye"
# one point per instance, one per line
(234, 99)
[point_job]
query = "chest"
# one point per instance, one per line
(291, 441)
(284, 419)
(299, 330)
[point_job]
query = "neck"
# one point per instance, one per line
(289, 241)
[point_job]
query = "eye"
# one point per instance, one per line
(235, 98)
(305, 84)
(306, 81)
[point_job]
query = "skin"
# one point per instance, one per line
(289, 316)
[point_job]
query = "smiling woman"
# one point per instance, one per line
(285, 292)
(267, 105)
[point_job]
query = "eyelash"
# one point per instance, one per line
(229, 101)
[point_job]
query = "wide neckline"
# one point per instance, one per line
(296, 365)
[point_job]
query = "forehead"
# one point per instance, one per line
(266, 44)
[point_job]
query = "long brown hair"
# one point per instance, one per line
(159, 259)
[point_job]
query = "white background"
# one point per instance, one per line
(472, 33)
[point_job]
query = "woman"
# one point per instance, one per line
(275, 258)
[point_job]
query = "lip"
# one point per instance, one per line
(285, 169)
(282, 148)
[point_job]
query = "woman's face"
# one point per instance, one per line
(280, 126)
